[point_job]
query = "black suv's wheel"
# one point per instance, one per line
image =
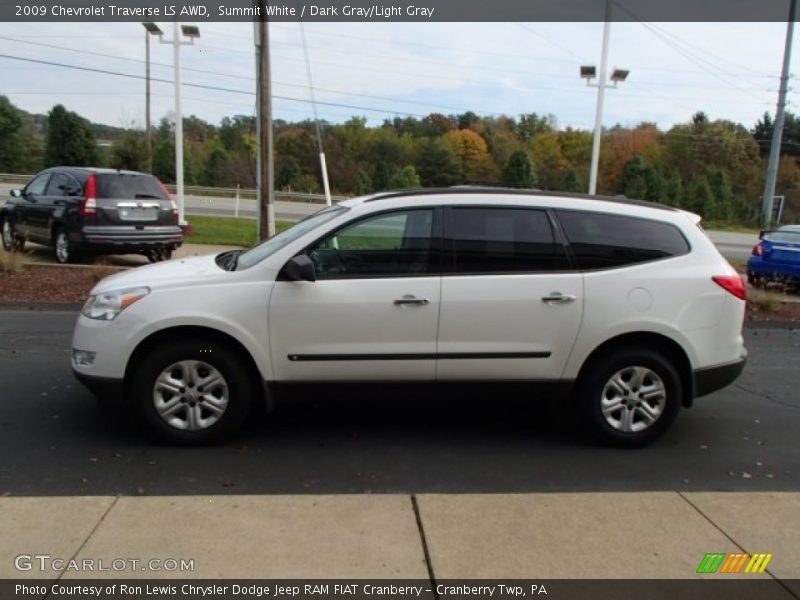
(64, 248)
(11, 242)
(629, 397)
(192, 391)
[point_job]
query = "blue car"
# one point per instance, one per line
(776, 257)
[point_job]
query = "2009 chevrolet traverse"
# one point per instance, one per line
(625, 306)
(79, 210)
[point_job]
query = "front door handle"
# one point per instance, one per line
(558, 298)
(409, 300)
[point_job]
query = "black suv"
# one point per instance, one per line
(78, 210)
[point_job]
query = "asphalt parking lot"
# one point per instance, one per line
(55, 440)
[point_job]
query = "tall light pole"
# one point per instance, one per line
(777, 131)
(589, 73)
(150, 29)
(191, 32)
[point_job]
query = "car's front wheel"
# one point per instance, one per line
(192, 391)
(629, 397)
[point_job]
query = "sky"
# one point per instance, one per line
(382, 70)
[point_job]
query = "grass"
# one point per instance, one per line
(10, 262)
(226, 231)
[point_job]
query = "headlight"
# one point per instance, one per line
(108, 305)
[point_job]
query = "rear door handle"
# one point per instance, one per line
(558, 298)
(409, 300)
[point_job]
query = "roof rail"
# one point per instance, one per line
(471, 189)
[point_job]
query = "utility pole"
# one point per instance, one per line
(147, 104)
(601, 93)
(777, 132)
(265, 177)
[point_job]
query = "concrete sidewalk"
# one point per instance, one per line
(544, 536)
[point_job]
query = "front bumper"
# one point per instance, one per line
(711, 379)
(102, 387)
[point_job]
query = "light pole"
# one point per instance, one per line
(191, 32)
(589, 73)
(150, 29)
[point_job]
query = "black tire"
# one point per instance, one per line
(218, 356)
(592, 392)
(11, 241)
(64, 249)
(165, 253)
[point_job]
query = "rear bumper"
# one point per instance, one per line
(714, 378)
(102, 387)
(773, 270)
(129, 235)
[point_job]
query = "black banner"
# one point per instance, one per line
(710, 588)
(406, 11)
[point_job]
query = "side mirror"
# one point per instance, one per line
(16, 193)
(300, 268)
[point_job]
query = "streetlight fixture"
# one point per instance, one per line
(150, 29)
(589, 72)
(191, 32)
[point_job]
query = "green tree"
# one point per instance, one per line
(70, 140)
(519, 171)
(673, 190)
(129, 152)
(288, 174)
(573, 183)
(405, 178)
(530, 125)
(10, 126)
(701, 198)
(436, 164)
(363, 184)
(633, 180)
(720, 186)
(216, 171)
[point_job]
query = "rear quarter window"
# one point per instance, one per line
(604, 241)
(123, 185)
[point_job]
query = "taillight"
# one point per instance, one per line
(758, 250)
(89, 204)
(168, 195)
(733, 284)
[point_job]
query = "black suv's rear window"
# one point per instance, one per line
(602, 241)
(123, 185)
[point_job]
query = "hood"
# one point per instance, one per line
(173, 273)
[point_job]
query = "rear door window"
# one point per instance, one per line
(604, 241)
(57, 183)
(129, 187)
(488, 240)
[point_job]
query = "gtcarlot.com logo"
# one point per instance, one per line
(737, 562)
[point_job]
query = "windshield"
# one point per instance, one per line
(267, 248)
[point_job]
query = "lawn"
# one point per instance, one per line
(228, 231)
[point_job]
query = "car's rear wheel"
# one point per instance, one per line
(65, 251)
(11, 242)
(192, 391)
(629, 397)
(158, 254)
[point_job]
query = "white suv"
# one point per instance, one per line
(626, 308)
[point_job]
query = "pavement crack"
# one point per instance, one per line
(733, 541)
(766, 395)
(424, 540)
(83, 544)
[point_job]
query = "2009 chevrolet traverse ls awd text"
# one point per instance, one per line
(626, 307)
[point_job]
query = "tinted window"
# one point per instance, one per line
(37, 186)
(387, 245)
(56, 185)
(601, 241)
(503, 240)
(123, 185)
(789, 237)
